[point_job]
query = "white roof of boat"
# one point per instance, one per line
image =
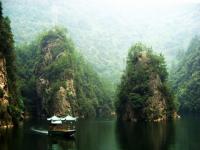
(69, 118)
(54, 118)
(56, 122)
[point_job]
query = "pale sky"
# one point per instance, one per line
(155, 1)
(150, 2)
(143, 4)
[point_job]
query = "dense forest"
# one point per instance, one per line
(55, 78)
(143, 93)
(185, 77)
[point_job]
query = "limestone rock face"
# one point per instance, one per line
(42, 88)
(156, 104)
(62, 104)
(5, 118)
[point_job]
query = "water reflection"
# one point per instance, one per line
(145, 136)
(55, 143)
(23, 138)
(7, 138)
(188, 133)
(183, 134)
(96, 135)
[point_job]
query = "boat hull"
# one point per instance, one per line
(69, 134)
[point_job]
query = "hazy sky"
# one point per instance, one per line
(152, 2)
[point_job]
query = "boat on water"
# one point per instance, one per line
(62, 126)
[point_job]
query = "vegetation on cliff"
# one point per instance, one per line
(185, 78)
(143, 93)
(9, 91)
(55, 78)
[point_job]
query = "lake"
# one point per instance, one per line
(98, 134)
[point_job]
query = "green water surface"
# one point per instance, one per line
(108, 134)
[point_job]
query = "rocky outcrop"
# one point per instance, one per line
(54, 98)
(155, 106)
(144, 94)
(64, 99)
(5, 117)
(58, 103)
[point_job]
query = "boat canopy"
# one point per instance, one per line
(54, 118)
(69, 118)
(56, 122)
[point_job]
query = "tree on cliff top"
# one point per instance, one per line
(144, 70)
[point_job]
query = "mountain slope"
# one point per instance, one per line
(185, 78)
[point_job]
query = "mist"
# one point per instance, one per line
(104, 30)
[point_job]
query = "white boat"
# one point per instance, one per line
(62, 126)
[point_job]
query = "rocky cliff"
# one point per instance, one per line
(143, 93)
(10, 104)
(5, 117)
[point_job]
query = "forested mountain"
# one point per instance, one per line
(56, 80)
(143, 93)
(185, 77)
(104, 30)
(10, 103)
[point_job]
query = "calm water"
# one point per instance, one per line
(183, 134)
